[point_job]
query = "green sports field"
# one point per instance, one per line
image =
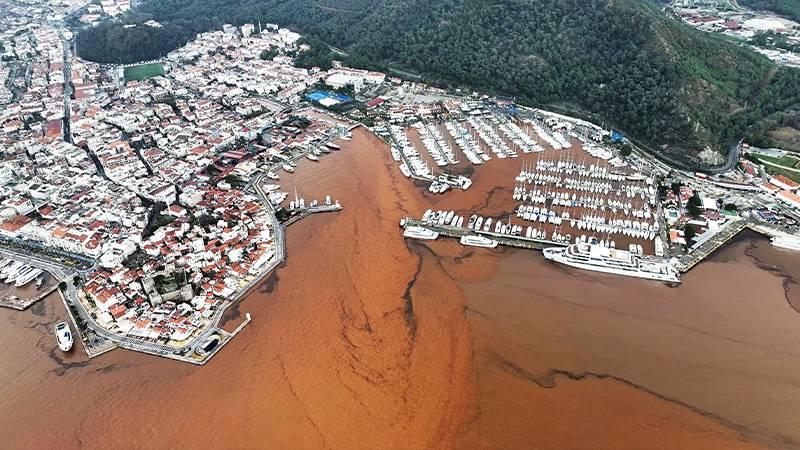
(143, 72)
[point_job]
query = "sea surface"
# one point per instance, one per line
(363, 340)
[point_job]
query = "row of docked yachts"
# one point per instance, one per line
(404, 152)
(598, 151)
(569, 167)
(555, 139)
(496, 144)
(632, 228)
(439, 149)
(313, 154)
(519, 138)
(443, 218)
(468, 145)
(19, 273)
(596, 179)
(573, 200)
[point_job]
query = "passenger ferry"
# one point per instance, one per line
(789, 242)
(478, 241)
(619, 262)
(424, 234)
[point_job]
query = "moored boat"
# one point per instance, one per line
(422, 233)
(600, 258)
(788, 242)
(64, 336)
(478, 241)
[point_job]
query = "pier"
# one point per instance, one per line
(502, 239)
(305, 212)
(710, 245)
(725, 234)
(21, 304)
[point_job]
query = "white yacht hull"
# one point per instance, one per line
(478, 241)
(420, 233)
(559, 255)
(786, 243)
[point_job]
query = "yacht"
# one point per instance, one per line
(27, 277)
(415, 232)
(10, 271)
(64, 336)
(333, 146)
(404, 168)
(608, 260)
(788, 241)
(312, 157)
(478, 241)
(272, 176)
(288, 168)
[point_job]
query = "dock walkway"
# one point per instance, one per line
(729, 230)
(709, 246)
(305, 212)
(502, 239)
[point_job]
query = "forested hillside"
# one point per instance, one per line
(619, 61)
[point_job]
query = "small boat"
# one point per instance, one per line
(272, 176)
(333, 146)
(288, 168)
(312, 157)
(39, 282)
(64, 336)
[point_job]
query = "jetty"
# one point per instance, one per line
(703, 249)
(305, 212)
(502, 239)
(21, 304)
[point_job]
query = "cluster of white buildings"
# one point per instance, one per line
(234, 71)
(138, 173)
(140, 177)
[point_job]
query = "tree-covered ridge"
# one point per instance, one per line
(787, 8)
(621, 62)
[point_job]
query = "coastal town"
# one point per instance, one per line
(776, 37)
(154, 202)
(151, 192)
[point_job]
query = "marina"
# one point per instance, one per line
(572, 190)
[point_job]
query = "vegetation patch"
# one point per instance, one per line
(143, 71)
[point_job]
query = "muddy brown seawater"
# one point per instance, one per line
(364, 340)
